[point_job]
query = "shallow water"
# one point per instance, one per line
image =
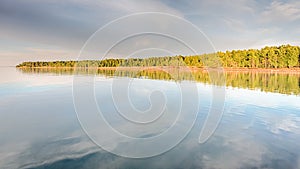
(39, 126)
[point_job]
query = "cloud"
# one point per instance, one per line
(281, 12)
(231, 24)
(217, 8)
(62, 25)
(67, 24)
(236, 25)
(136, 6)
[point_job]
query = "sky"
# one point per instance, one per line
(57, 30)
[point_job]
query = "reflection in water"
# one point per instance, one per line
(268, 82)
(39, 129)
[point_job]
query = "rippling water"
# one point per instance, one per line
(39, 126)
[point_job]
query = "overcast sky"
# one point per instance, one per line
(56, 30)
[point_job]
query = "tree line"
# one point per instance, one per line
(284, 56)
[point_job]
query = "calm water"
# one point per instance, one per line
(260, 126)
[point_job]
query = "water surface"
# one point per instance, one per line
(260, 127)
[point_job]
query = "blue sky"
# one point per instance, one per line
(56, 30)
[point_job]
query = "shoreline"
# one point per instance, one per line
(184, 68)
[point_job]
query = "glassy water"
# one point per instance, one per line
(260, 126)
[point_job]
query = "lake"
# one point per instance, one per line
(48, 120)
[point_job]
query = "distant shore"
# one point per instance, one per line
(186, 68)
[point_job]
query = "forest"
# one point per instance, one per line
(284, 56)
